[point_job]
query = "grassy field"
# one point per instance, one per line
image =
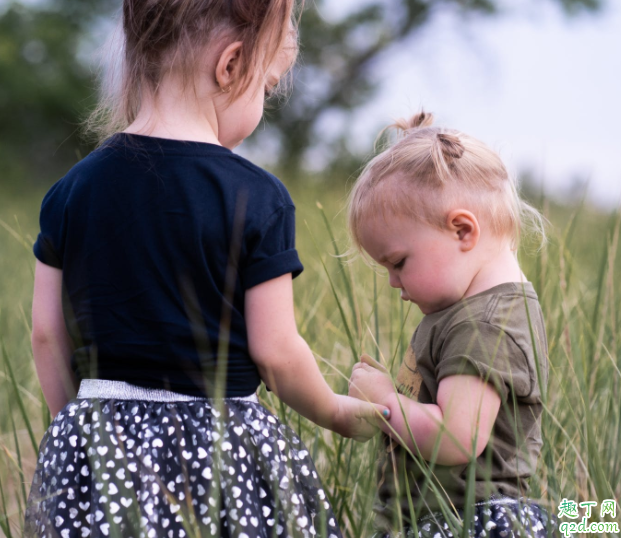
(344, 309)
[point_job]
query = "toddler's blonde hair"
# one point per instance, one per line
(431, 170)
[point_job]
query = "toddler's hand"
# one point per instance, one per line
(358, 419)
(370, 381)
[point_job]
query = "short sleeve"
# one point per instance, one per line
(487, 351)
(49, 246)
(272, 253)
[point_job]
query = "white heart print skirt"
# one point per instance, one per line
(125, 461)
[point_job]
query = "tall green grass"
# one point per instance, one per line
(344, 308)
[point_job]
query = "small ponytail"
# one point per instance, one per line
(421, 120)
(404, 127)
(429, 170)
(443, 146)
(417, 121)
(445, 149)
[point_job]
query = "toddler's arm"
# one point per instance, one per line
(466, 410)
(288, 367)
(51, 344)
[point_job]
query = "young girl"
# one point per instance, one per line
(164, 284)
(440, 213)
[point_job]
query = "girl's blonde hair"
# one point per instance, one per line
(164, 36)
(431, 170)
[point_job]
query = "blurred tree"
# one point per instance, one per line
(334, 76)
(46, 84)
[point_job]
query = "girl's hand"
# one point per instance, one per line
(370, 381)
(357, 419)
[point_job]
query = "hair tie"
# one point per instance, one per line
(451, 145)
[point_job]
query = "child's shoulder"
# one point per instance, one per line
(514, 303)
(264, 179)
(97, 162)
(505, 321)
(509, 307)
(121, 159)
(77, 177)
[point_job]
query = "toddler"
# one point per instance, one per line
(440, 213)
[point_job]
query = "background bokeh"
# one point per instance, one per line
(538, 80)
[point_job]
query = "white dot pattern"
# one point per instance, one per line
(142, 469)
(497, 518)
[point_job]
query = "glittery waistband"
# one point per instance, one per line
(494, 500)
(105, 389)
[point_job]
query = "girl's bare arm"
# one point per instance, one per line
(289, 369)
(51, 345)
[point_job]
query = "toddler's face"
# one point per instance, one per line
(425, 263)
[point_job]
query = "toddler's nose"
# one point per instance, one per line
(394, 281)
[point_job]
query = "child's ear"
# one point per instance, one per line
(465, 227)
(228, 66)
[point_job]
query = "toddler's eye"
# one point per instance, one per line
(399, 264)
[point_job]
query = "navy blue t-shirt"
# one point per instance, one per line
(158, 240)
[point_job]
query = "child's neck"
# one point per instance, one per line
(499, 268)
(174, 114)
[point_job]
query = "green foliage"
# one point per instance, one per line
(48, 86)
(44, 92)
(344, 308)
(335, 75)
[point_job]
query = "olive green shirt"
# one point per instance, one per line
(499, 336)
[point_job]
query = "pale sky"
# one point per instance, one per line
(539, 86)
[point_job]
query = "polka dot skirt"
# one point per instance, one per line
(130, 468)
(497, 518)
